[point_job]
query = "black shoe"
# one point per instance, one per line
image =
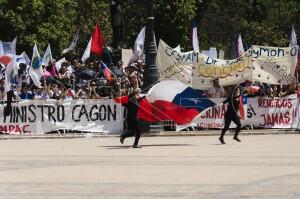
(136, 146)
(122, 138)
(237, 139)
(222, 140)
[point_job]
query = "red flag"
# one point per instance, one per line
(121, 99)
(97, 41)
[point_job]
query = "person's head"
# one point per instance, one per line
(120, 64)
(136, 91)
(52, 62)
(133, 79)
(237, 91)
(92, 65)
(39, 89)
(24, 87)
(216, 83)
(298, 87)
(93, 85)
(63, 69)
(275, 88)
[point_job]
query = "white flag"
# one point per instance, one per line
(20, 60)
(195, 37)
(36, 70)
(221, 54)
(139, 43)
(293, 40)
(239, 46)
(138, 50)
(10, 72)
(9, 47)
(1, 49)
(47, 56)
(87, 52)
(213, 53)
(73, 44)
(59, 63)
(25, 56)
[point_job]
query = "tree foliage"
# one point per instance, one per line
(262, 22)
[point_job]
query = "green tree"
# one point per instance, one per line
(262, 22)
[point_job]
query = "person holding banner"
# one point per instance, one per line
(233, 101)
(132, 121)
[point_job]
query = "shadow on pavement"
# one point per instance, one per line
(145, 145)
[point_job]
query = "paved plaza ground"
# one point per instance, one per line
(262, 166)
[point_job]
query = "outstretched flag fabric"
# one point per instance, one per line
(243, 107)
(97, 44)
(138, 50)
(107, 73)
(87, 52)
(10, 72)
(173, 100)
(239, 46)
(293, 39)
(47, 56)
(8, 47)
(1, 49)
(73, 43)
(36, 70)
(195, 36)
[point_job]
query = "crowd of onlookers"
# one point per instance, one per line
(256, 90)
(76, 80)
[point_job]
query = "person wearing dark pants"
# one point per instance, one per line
(231, 115)
(132, 121)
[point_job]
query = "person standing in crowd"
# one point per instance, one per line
(26, 93)
(51, 68)
(231, 114)
(298, 90)
(216, 91)
(132, 121)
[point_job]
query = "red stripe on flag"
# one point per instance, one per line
(241, 108)
(162, 110)
(121, 99)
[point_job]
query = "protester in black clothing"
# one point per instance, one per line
(132, 121)
(231, 114)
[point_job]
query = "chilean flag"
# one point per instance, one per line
(173, 100)
(107, 73)
(243, 106)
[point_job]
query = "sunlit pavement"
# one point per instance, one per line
(261, 166)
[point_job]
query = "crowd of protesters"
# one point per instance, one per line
(256, 90)
(76, 80)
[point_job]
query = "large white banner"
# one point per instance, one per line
(271, 65)
(39, 116)
(261, 112)
(173, 64)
